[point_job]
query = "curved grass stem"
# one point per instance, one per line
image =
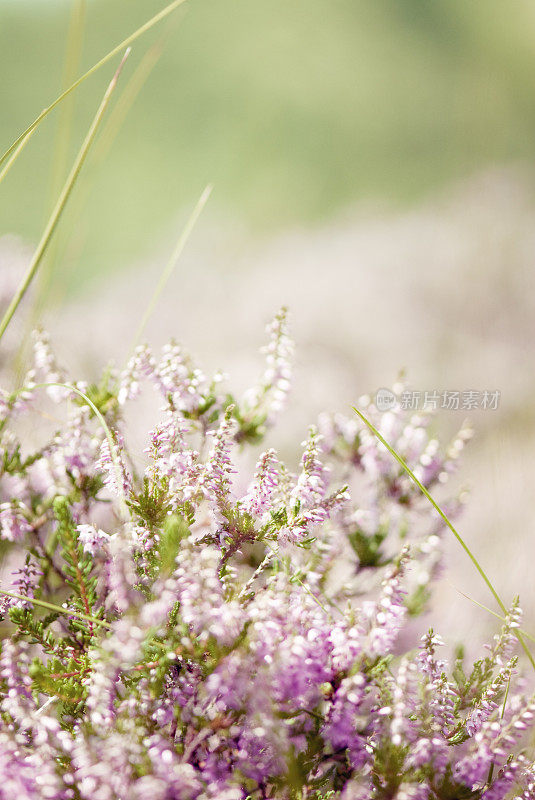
(118, 49)
(61, 202)
(107, 431)
(53, 607)
(450, 525)
(15, 154)
(171, 264)
(71, 247)
(490, 611)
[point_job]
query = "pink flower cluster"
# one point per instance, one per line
(188, 630)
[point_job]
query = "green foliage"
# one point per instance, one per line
(252, 427)
(37, 630)
(174, 530)
(77, 568)
(151, 504)
(368, 547)
(103, 395)
(12, 461)
(416, 603)
(62, 680)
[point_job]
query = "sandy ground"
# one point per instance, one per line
(445, 291)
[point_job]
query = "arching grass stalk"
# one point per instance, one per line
(171, 264)
(118, 49)
(450, 525)
(71, 65)
(131, 90)
(73, 52)
(490, 611)
(15, 154)
(108, 133)
(53, 607)
(109, 437)
(106, 429)
(61, 202)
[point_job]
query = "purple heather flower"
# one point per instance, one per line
(116, 476)
(92, 539)
(26, 582)
(47, 368)
(262, 495)
(262, 664)
(343, 720)
(13, 524)
(269, 397)
(141, 365)
(216, 480)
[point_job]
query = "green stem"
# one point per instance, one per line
(73, 52)
(490, 611)
(16, 153)
(118, 49)
(60, 205)
(109, 131)
(53, 607)
(107, 431)
(450, 525)
(171, 264)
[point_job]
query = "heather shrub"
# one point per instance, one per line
(178, 625)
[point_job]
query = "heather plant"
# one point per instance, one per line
(179, 625)
(202, 620)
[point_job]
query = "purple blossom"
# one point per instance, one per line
(223, 644)
(26, 582)
(116, 476)
(269, 397)
(216, 479)
(13, 523)
(262, 494)
(91, 539)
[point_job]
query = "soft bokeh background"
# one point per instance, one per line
(372, 163)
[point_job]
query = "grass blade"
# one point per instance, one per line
(61, 202)
(73, 52)
(171, 264)
(118, 49)
(130, 93)
(16, 153)
(105, 427)
(53, 607)
(450, 525)
(109, 131)
(490, 611)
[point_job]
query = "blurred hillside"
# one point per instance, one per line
(292, 109)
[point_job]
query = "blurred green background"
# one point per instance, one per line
(293, 109)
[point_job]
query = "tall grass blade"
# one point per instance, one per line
(129, 94)
(171, 264)
(54, 607)
(73, 52)
(15, 154)
(450, 525)
(61, 202)
(490, 611)
(118, 49)
(110, 129)
(60, 158)
(107, 431)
